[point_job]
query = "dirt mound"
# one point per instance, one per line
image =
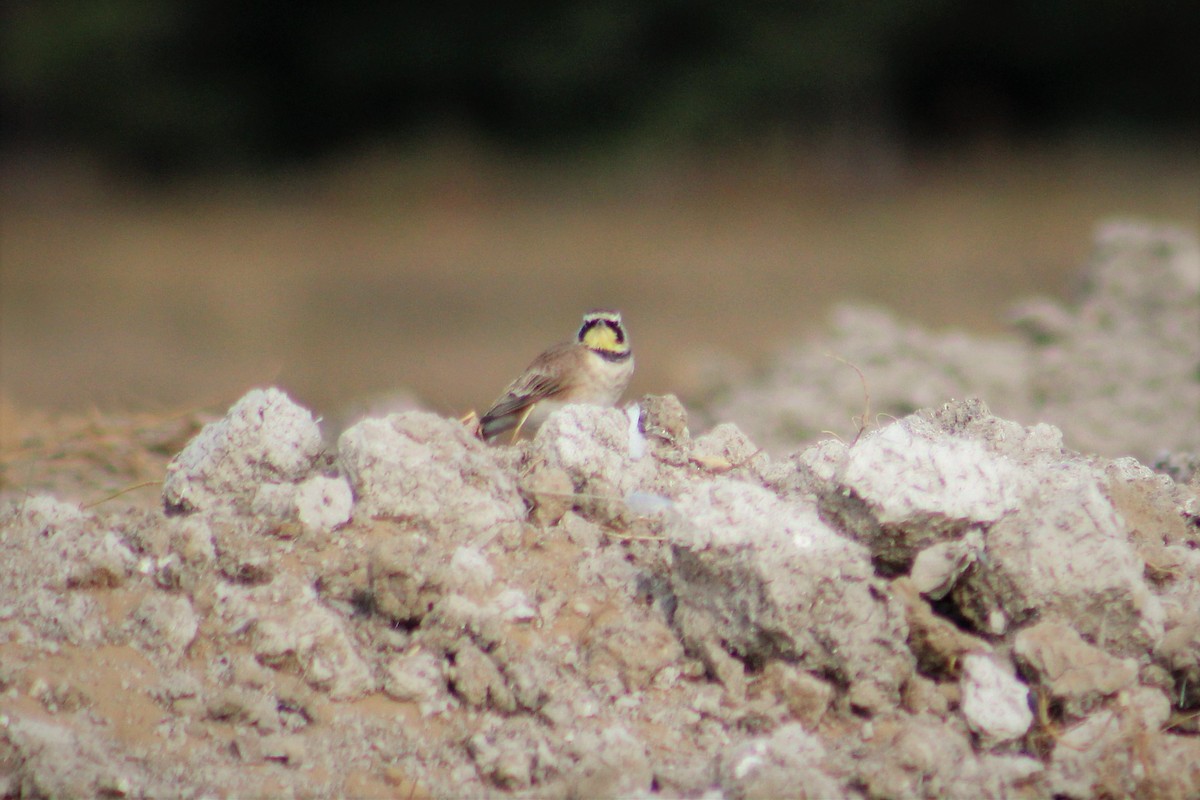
(1115, 370)
(954, 604)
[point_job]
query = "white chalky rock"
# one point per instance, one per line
(1125, 749)
(48, 515)
(1052, 543)
(470, 570)
(789, 762)
(414, 677)
(289, 629)
(927, 478)
(85, 553)
(323, 503)
(55, 758)
(994, 703)
(265, 438)
(769, 578)
(421, 467)
(590, 442)
(513, 606)
(908, 478)
(936, 568)
(166, 621)
(52, 549)
(319, 503)
(1065, 555)
(613, 764)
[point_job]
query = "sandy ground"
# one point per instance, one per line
(950, 603)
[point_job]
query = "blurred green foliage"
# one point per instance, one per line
(171, 85)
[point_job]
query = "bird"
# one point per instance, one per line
(594, 369)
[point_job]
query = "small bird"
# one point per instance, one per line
(594, 369)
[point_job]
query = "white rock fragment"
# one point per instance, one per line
(93, 559)
(265, 438)
(167, 621)
(274, 501)
(1053, 544)
(770, 579)
(591, 444)
(994, 703)
(470, 570)
(646, 503)
(57, 760)
(924, 479)
(613, 764)
(76, 550)
(513, 605)
(415, 677)
(726, 447)
(637, 441)
(924, 755)
(419, 466)
(319, 503)
(1179, 649)
(788, 763)
(48, 515)
(1122, 750)
(826, 460)
(192, 539)
(628, 652)
(323, 503)
(1065, 554)
(511, 755)
(937, 567)
(290, 629)
(909, 479)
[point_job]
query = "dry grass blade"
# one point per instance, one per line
(860, 421)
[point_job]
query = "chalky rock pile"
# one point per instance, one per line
(953, 604)
(1115, 370)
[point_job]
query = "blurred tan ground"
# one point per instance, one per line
(445, 272)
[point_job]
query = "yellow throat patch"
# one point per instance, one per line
(603, 337)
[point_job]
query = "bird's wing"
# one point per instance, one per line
(541, 381)
(532, 390)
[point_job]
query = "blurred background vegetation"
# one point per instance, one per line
(164, 86)
(359, 197)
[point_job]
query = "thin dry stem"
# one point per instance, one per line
(115, 495)
(860, 421)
